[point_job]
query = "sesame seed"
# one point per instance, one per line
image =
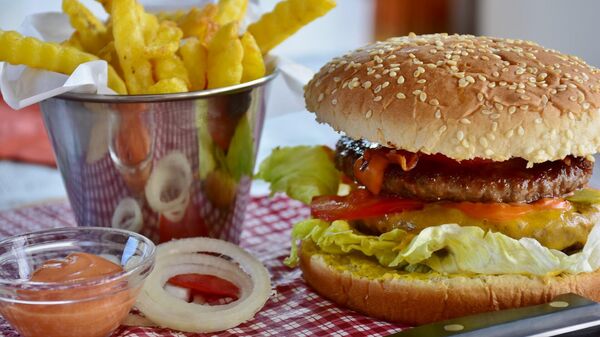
(442, 129)
(421, 81)
(377, 98)
(524, 107)
(483, 142)
(369, 114)
(400, 79)
(366, 84)
(336, 79)
(470, 79)
(465, 121)
(438, 114)
(320, 98)
(569, 134)
(334, 101)
(510, 133)
(499, 106)
(377, 89)
(489, 152)
(393, 74)
(585, 105)
(571, 115)
(462, 83)
(480, 96)
(377, 76)
(495, 116)
(496, 74)
(486, 112)
(525, 97)
(422, 97)
(520, 130)
(538, 121)
(544, 99)
(385, 84)
(573, 98)
(492, 85)
(400, 95)
(494, 126)
(434, 102)
(460, 135)
(520, 71)
(481, 77)
(512, 109)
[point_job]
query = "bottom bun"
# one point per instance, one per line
(420, 298)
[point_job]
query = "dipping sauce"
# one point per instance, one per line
(90, 310)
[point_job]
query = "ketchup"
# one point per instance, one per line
(96, 310)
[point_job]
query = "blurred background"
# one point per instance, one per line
(27, 174)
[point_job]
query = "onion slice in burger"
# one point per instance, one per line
(196, 256)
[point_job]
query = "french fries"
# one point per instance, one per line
(231, 10)
(49, 56)
(166, 52)
(166, 41)
(252, 63)
(225, 54)
(194, 56)
(171, 67)
(92, 32)
(200, 23)
(129, 43)
(170, 16)
(168, 86)
(287, 17)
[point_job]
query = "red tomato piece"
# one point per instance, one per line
(359, 204)
(209, 286)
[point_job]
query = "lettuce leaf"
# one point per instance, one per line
(302, 172)
(450, 249)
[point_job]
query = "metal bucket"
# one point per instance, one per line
(166, 166)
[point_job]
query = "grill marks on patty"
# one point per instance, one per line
(439, 178)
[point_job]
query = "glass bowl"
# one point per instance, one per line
(90, 307)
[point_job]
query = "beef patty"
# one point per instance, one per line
(436, 177)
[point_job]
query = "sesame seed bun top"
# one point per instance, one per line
(462, 96)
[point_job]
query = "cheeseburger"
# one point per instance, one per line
(459, 184)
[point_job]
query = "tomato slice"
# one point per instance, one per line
(504, 211)
(359, 204)
(209, 286)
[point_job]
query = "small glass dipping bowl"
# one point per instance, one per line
(92, 307)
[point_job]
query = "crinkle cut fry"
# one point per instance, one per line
(29, 51)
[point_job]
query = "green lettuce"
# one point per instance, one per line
(302, 172)
(449, 249)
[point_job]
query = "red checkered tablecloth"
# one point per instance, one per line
(293, 310)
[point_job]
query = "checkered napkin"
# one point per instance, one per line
(293, 309)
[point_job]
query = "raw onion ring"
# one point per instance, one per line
(171, 173)
(128, 215)
(185, 256)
